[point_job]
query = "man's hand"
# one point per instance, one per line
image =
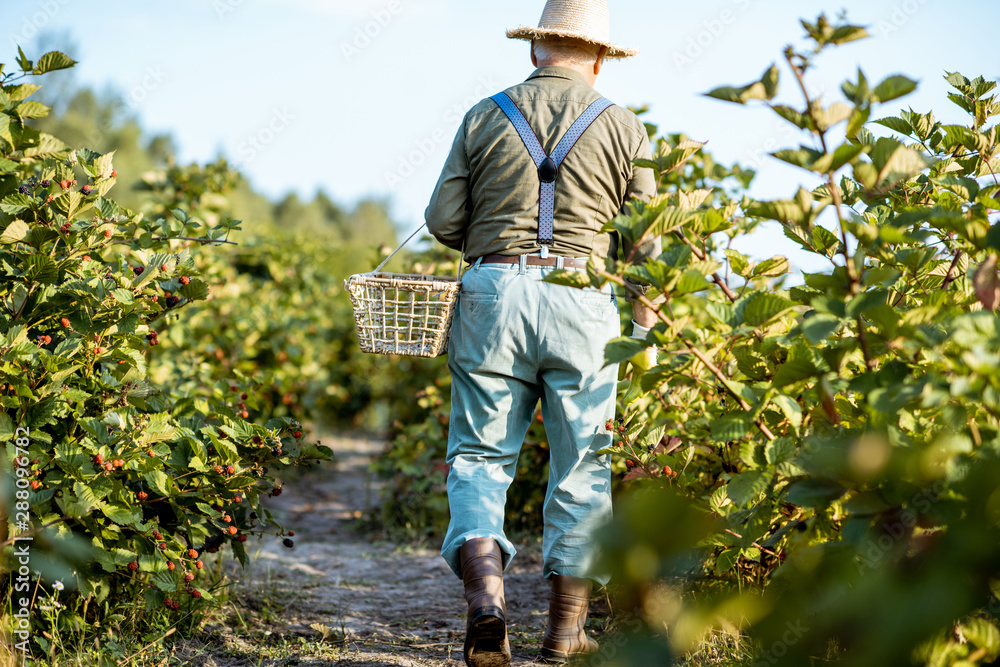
(646, 319)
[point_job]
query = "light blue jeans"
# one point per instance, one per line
(514, 341)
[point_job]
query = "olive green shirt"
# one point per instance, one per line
(488, 189)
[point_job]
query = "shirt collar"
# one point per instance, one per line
(559, 73)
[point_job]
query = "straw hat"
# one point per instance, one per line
(586, 20)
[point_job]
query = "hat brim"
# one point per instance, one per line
(527, 33)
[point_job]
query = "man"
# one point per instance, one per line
(522, 202)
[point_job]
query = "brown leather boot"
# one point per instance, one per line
(486, 642)
(568, 605)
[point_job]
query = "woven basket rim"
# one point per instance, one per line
(410, 277)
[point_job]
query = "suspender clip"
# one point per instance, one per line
(543, 252)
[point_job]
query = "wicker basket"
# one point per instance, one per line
(403, 314)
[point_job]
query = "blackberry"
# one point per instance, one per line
(172, 301)
(288, 543)
(24, 190)
(46, 183)
(85, 189)
(137, 270)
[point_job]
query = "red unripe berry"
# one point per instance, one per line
(150, 453)
(230, 470)
(243, 396)
(163, 546)
(85, 189)
(64, 321)
(109, 466)
(189, 576)
(233, 530)
(142, 495)
(292, 533)
(133, 566)
(185, 280)
(99, 459)
(64, 185)
(114, 173)
(609, 425)
(227, 518)
(629, 463)
(192, 553)
(107, 233)
(218, 469)
(199, 565)
(276, 492)
(170, 565)
(245, 414)
(234, 388)
(157, 535)
(195, 593)
(242, 538)
(35, 484)
(296, 434)
(164, 267)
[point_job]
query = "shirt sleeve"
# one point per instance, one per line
(447, 215)
(642, 186)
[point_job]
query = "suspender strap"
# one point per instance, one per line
(548, 166)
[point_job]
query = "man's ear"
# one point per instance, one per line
(534, 59)
(600, 60)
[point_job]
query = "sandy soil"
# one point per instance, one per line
(337, 598)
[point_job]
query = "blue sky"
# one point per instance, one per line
(363, 97)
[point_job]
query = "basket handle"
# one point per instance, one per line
(458, 273)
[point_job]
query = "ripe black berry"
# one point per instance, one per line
(85, 189)
(46, 183)
(137, 270)
(172, 301)
(288, 543)
(24, 190)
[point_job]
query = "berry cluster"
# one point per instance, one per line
(153, 338)
(171, 604)
(44, 340)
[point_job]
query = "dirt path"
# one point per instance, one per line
(336, 598)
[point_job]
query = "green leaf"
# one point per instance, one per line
(52, 61)
(793, 371)
(747, 486)
(819, 327)
(32, 109)
(732, 426)
(15, 232)
(776, 266)
(158, 482)
(727, 560)
(816, 493)
(897, 124)
(15, 203)
(739, 262)
(763, 307)
(622, 349)
(765, 89)
(894, 87)
(780, 450)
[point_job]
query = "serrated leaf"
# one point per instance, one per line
(16, 231)
(776, 266)
(52, 61)
(15, 203)
(158, 482)
(747, 486)
(793, 371)
(763, 307)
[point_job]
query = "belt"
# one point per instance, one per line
(534, 260)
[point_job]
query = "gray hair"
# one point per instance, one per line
(568, 50)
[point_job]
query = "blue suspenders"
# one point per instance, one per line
(548, 165)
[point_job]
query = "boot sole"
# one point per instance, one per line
(554, 657)
(486, 643)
